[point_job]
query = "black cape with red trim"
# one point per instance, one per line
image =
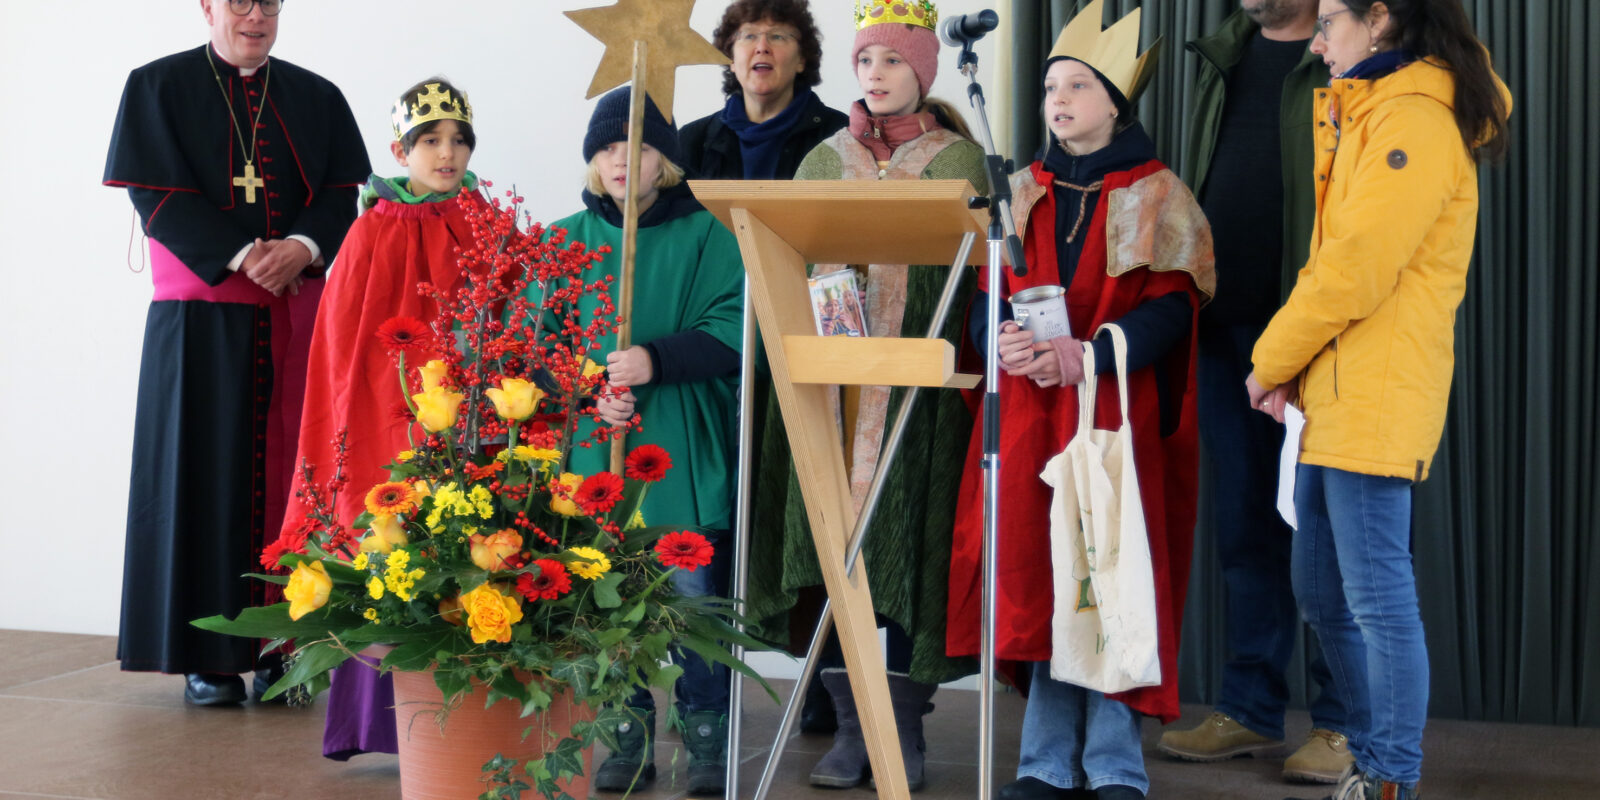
(219, 382)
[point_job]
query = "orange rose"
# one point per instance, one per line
(491, 552)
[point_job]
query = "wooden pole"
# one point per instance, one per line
(630, 226)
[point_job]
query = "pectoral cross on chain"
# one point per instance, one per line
(250, 182)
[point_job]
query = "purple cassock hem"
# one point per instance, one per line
(360, 711)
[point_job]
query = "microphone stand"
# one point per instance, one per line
(1002, 239)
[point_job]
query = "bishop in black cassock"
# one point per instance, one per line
(223, 368)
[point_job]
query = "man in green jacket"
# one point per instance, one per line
(1253, 99)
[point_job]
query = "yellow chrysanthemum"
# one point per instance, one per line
(405, 455)
(360, 561)
(375, 588)
(482, 501)
(371, 614)
(592, 565)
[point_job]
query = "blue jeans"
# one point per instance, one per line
(1075, 738)
(1253, 542)
(1356, 585)
(703, 686)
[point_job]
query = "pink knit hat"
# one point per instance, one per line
(918, 45)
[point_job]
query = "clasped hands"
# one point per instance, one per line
(624, 368)
(276, 265)
(1271, 401)
(1021, 357)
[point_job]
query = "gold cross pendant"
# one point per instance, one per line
(250, 182)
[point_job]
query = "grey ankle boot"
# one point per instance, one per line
(910, 704)
(846, 764)
(632, 765)
(705, 736)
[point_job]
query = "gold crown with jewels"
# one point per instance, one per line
(921, 13)
(432, 104)
(1113, 51)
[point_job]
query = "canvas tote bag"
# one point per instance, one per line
(1104, 621)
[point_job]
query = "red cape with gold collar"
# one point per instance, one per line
(1147, 260)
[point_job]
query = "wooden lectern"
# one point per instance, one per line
(783, 226)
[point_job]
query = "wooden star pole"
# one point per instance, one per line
(624, 28)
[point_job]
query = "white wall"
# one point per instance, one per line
(71, 312)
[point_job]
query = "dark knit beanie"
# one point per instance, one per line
(610, 124)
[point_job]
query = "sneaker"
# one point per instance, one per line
(1322, 759)
(1355, 785)
(1219, 738)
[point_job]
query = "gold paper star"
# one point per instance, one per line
(664, 26)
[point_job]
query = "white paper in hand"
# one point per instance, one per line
(1293, 422)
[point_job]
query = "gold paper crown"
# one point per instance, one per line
(911, 12)
(1113, 51)
(431, 105)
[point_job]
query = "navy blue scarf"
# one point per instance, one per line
(761, 144)
(1379, 65)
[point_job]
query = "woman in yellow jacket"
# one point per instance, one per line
(1365, 342)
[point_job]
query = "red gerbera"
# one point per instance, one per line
(403, 334)
(684, 549)
(599, 493)
(288, 542)
(648, 463)
(551, 582)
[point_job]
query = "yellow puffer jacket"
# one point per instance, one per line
(1370, 325)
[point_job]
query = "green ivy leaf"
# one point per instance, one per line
(667, 676)
(605, 590)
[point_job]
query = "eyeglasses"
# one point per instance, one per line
(773, 37)
(243, 7)
(1322, 22)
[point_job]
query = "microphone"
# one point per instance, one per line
(964, 29)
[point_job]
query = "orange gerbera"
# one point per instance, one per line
(393, 497)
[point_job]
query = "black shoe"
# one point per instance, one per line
(1031, 788)
(202, 689)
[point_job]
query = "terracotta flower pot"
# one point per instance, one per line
(448, 764)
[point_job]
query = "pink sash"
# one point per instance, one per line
(292, 318)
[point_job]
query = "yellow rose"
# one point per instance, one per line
(387, 534)
(421, 489)
(593, 565)
(436, 408)
(515, 399)
(490, 614)
(490, 552)
(433, 374)
(308, 588)
(590, 369)
(565, 505)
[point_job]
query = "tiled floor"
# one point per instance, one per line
(73, 726)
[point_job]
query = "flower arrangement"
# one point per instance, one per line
(481, 557)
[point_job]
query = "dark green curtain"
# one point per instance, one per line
(1505, 529)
